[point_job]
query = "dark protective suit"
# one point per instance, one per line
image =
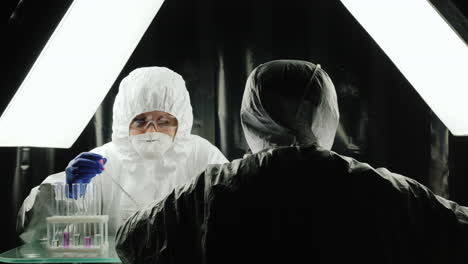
(297, 205)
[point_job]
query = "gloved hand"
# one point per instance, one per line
(82, 169)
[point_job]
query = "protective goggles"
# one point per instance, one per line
(161, 123)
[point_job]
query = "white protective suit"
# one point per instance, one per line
(128, 181)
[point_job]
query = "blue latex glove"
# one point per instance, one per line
(82, 169)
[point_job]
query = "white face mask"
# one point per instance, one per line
(151, 145)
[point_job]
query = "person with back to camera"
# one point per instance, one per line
(152, 151)
(293, 200)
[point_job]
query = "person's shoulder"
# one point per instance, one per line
(397, 181)
(202, 144)
(242, 168)
(353, 165)
(312, 151)
(109, 149)
(315, 156)
(102, 149)
(310, 154)
(199, 140)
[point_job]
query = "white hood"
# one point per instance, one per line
(149, 89)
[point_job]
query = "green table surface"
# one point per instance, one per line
(36, 252)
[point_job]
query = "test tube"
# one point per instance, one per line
(65, 239)
(98, 200)
(58, 193)
(67, 199)
(76, 197)
(86, 197)
(54, 236)
(97, 239)
(85, 229)
(105, 233)
(74, 191)
(62, 210)
(76, 235)
(101, 232)
(90, 199)
(83, 199)
(87, 241)
(72, 238)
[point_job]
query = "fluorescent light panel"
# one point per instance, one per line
(74, 72)
(425, 49)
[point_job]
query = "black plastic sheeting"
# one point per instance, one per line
(297, 205)
(214, 45)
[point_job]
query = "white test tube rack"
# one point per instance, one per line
(77, 228)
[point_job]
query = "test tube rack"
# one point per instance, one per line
(77, 228)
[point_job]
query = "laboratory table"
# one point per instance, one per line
(36, 252)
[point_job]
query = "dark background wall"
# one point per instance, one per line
(214, 45)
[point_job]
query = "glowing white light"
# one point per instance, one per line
(425, 49)
(74, 72)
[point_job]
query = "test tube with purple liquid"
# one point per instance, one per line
(87, 241)
(65, 239)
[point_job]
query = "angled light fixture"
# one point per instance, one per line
(426, 50)
(74, 72)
